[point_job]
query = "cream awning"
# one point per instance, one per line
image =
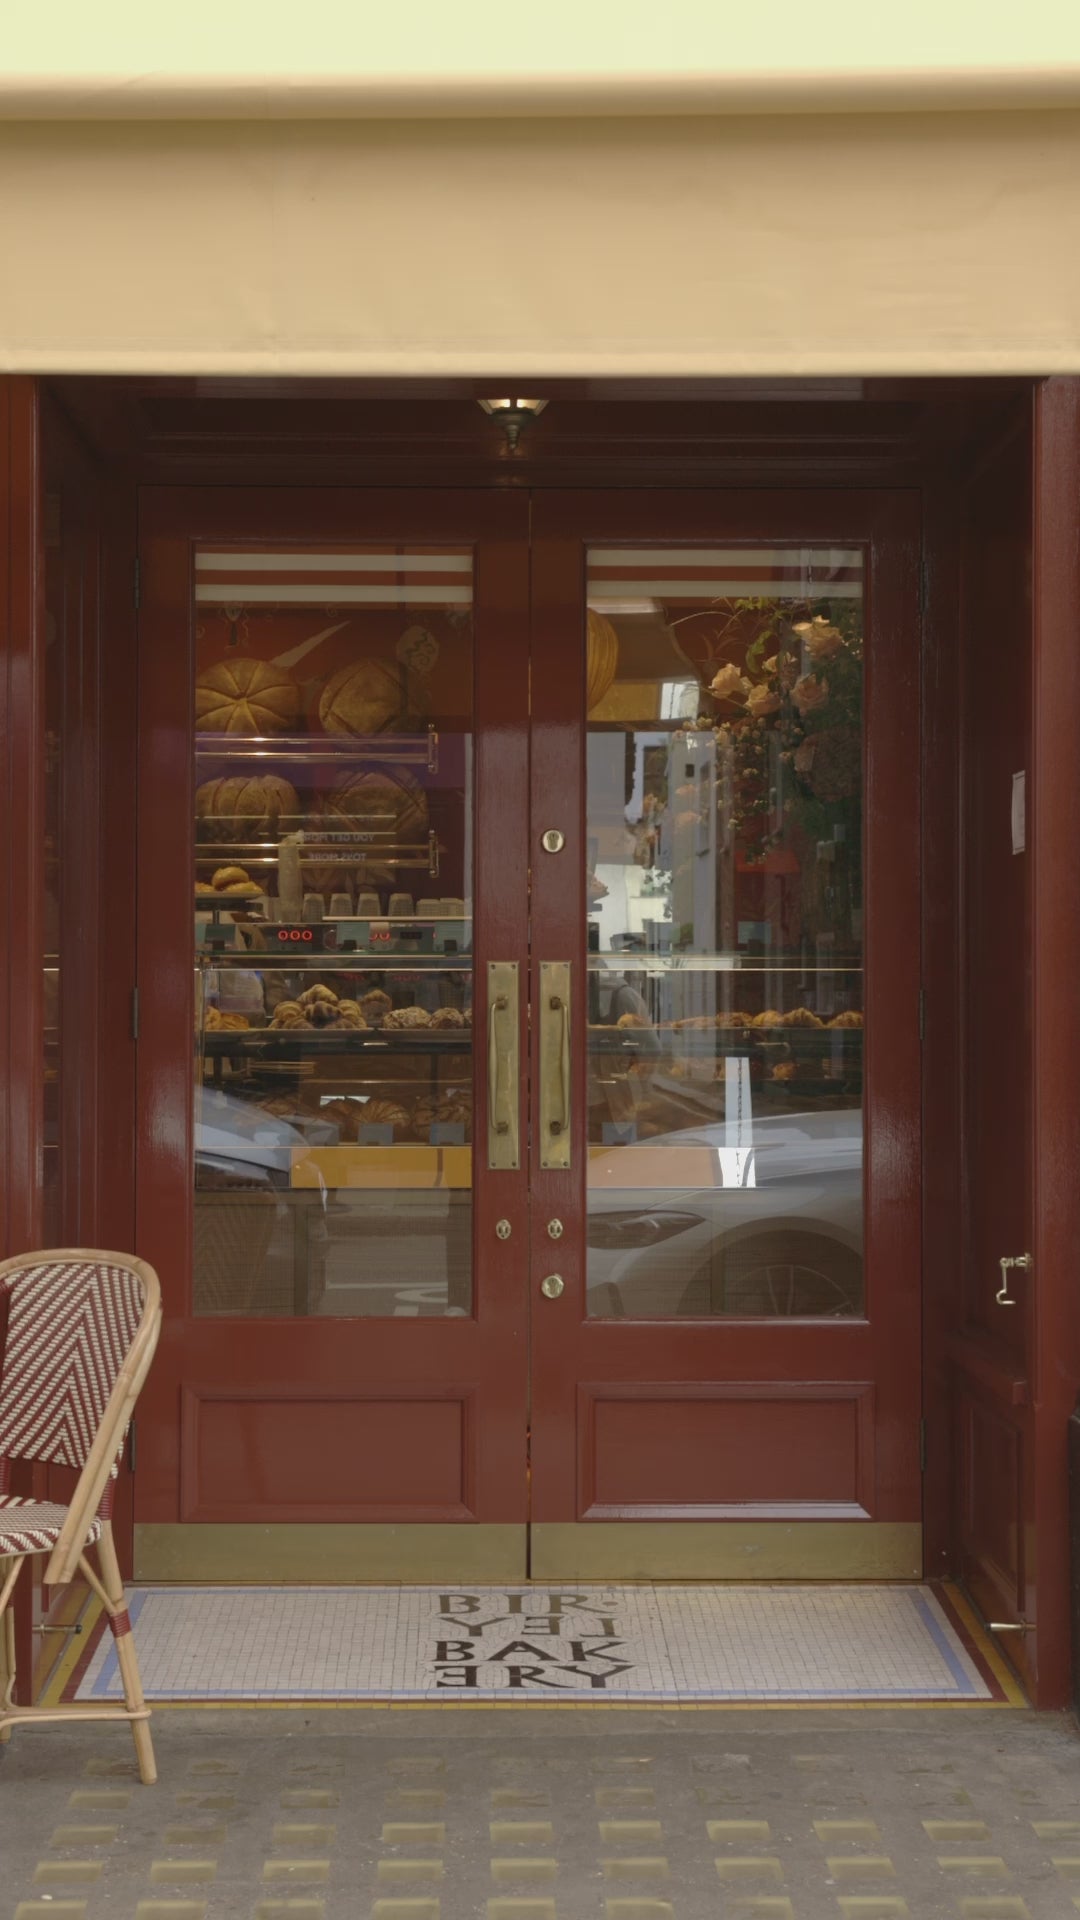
(734, 208)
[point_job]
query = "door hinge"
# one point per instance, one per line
(922, 1446)
(134, 1013)
(131, 1447)
(135, 584)
(922, 1013)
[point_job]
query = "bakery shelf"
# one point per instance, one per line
(296, 1043)
(704, 1042)
(324, 749)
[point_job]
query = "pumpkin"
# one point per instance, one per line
(246, 696)
(236, 806)
(385, 800)
(363, 698)
(602, 659)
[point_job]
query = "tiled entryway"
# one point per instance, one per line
(361, 1814)
(641, 1645)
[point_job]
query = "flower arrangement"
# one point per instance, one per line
(788, 718)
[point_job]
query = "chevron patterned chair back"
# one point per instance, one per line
(82, 1327)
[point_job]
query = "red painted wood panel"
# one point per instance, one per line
(652, 1452)
(991, 1347)
(22, 787)
(1055, 942)
(306, 1456)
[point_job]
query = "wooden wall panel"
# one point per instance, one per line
(247, 1455)
(990, 1484)
(726, 1448)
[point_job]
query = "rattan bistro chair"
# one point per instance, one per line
(82, 1328)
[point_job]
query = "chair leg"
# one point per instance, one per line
(125, 1656)
(7, 1649)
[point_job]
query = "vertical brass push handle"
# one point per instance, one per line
(502, 1066)
(556, 1077)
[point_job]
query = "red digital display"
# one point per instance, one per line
(295, 933)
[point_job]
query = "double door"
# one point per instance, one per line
(529, 1060)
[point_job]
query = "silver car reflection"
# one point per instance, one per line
(770, 1226)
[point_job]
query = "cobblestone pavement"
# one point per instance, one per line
(451, 1813)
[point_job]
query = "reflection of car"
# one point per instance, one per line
(689, 1224)
(238, 1144)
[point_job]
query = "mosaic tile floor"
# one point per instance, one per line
(634, 1645)
(309, 1814)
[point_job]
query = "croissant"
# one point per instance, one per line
(731, 1021)
(346, 1114)
(228, 877)
(802, 1017)
(383, 1113)
(289, 1020)
(849, 1019)
(313, 994)
(233, 1022)
(211, 1020)
(631, 1020)
(447, 1017)
(770, 1018)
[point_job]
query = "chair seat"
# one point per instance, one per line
(32, 1526)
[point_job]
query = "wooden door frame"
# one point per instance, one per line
(123, 446)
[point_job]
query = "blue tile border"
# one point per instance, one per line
(965, 1683)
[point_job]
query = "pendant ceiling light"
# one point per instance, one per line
(513, 415)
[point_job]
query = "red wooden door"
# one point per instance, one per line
(333, 748)
(726, 975)
(712, 1216)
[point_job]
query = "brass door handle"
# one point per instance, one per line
(503, 1065)
(556, 1078)
(1007, 1264)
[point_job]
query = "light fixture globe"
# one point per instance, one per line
(512, 415)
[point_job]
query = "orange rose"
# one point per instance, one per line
(729, 683)
(820, 638)
(810, 693)
(760, 701)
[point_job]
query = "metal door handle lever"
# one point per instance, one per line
(1007, 1263)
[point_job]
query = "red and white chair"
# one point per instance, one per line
(81, 1333)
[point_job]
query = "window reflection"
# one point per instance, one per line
(724, 853)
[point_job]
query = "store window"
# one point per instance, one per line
(333, 932)
(725, 833)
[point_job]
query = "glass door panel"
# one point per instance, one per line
(333, 931)
(726, 909)
(724, 846)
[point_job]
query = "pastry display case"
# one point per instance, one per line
(333, 940)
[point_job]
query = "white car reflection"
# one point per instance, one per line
(238, 1144)
(688, 1224)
